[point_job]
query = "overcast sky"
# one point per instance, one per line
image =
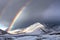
(43, 11)
(8, 10)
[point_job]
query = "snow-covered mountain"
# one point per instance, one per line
(33, 32)
(15, 31)
(2, 32)
(35, 28)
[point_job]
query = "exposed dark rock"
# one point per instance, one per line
(3, 32)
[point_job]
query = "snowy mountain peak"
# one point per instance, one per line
(33, 27)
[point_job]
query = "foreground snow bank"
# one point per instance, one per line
(44, 37)
(27, 38)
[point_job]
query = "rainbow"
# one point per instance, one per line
(17, 16)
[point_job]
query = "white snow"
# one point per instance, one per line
(35, 29)
(32, 29)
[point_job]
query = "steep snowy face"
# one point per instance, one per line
(33, 27)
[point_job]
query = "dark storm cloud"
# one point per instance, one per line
(43, 11)
(33, 13)
(52, 13)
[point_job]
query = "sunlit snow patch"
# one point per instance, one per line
(33, 27)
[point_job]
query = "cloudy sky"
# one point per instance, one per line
(43, 11)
